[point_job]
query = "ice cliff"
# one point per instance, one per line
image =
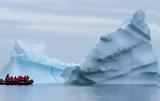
(30, 59)
(122, 57)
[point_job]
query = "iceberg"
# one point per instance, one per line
(121, 57)
(30, 59)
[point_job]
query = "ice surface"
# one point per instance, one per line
(124, 56)
(30, 59)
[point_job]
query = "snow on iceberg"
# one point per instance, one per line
(30, 59)
(124, 57)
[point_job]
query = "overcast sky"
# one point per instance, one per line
(69, 28)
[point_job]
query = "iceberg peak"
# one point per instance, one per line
(139, 16)
(138, 21)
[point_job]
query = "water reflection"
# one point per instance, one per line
(80, 93)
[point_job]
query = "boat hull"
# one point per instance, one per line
(17, 83)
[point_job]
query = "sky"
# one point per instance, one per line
(68, 28)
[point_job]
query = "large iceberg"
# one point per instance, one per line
(30, 59)
(124, 57)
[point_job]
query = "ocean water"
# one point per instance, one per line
(112, 92)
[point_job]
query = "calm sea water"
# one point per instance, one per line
(80, 93)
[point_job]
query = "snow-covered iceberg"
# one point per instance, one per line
(30, 59)
(124, 57)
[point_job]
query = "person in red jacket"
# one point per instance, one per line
(19, 78)
(15, 79)
(7, 78)
(11, 79)
(25, 78)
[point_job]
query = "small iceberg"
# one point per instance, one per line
(30, 59)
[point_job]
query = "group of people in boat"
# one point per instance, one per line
(9, 78)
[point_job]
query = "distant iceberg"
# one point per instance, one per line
(121, 57)
(30, 59)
